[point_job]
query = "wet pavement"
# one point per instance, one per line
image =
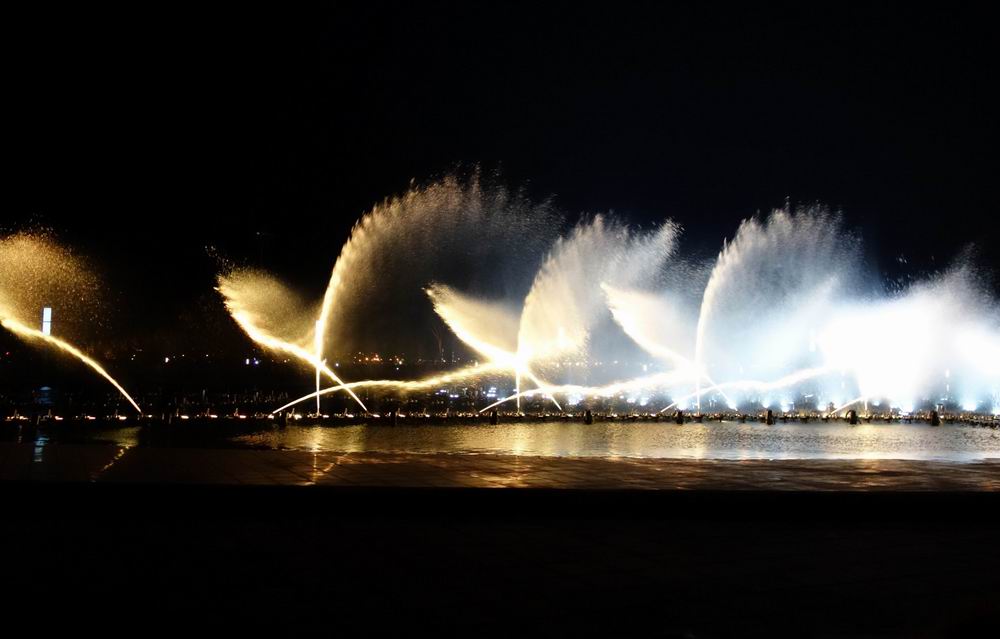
(112, 464)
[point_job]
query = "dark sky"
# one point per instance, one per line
(144, 137)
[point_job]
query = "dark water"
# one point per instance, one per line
(715, 440)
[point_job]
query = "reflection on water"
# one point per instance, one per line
(715, 440)
(38, 455)
(725, 440)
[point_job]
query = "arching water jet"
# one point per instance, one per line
(34, 270)
(30, 333)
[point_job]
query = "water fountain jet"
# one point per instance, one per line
(32, 266)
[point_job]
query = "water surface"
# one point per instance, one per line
(715, 440)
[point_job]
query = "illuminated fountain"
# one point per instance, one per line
(785, 318)
(787, 313)
(557, 318)
(753, 322)
(429, 230)
(787, 309)
(940, 333)
(33, 270)
(564, 305)
(262, 306)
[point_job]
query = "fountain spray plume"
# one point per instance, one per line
(770, 289)
(488, 328)
(938, 334)
(34, 272)
(564, 307)
(429, 230)
(275, 317)
(783, 306)
(474, 234)
(661, 328)
(786, 306)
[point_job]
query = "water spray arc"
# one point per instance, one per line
(237, 290)
(401, 386)
(784, 308)
(784, 314)
(476, 324)
(24, 331)
(35, 269)
(400, 239)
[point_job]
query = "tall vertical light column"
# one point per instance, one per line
(47, 320)
(318, 345)
(517, 388)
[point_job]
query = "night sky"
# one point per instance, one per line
(143, 138)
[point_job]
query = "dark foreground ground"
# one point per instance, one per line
(349, 560)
